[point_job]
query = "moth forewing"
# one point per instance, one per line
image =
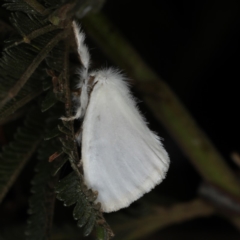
(122, 158)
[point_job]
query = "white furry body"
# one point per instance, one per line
(122, 158)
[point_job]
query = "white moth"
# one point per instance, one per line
(122, 158)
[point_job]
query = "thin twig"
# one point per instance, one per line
(36, 33)
(161, 217)
(31, 68)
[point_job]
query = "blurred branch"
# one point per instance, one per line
(164, 104)
(219, 199)
(235, 158)
(161, 217)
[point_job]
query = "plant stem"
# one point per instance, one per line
(36, 33)
(31, 68)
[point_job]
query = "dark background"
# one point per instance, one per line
(194, 47)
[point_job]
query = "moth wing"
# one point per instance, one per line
(122, 158)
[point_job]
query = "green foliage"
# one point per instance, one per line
(41, 203)
(49, 101)
(71, 190)
(14, 156)
(20, 5)
(22, 70)
(35, 63)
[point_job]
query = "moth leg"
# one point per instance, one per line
(80, 163)
(66, 119)
(76, 93)
(76, 116)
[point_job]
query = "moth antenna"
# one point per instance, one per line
(82, 49)
(84, 58)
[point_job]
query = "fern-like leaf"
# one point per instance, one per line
(41, 203)
(42, 25)
(20, 66)
(20, 6)
(16, 154)
(72, 191)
